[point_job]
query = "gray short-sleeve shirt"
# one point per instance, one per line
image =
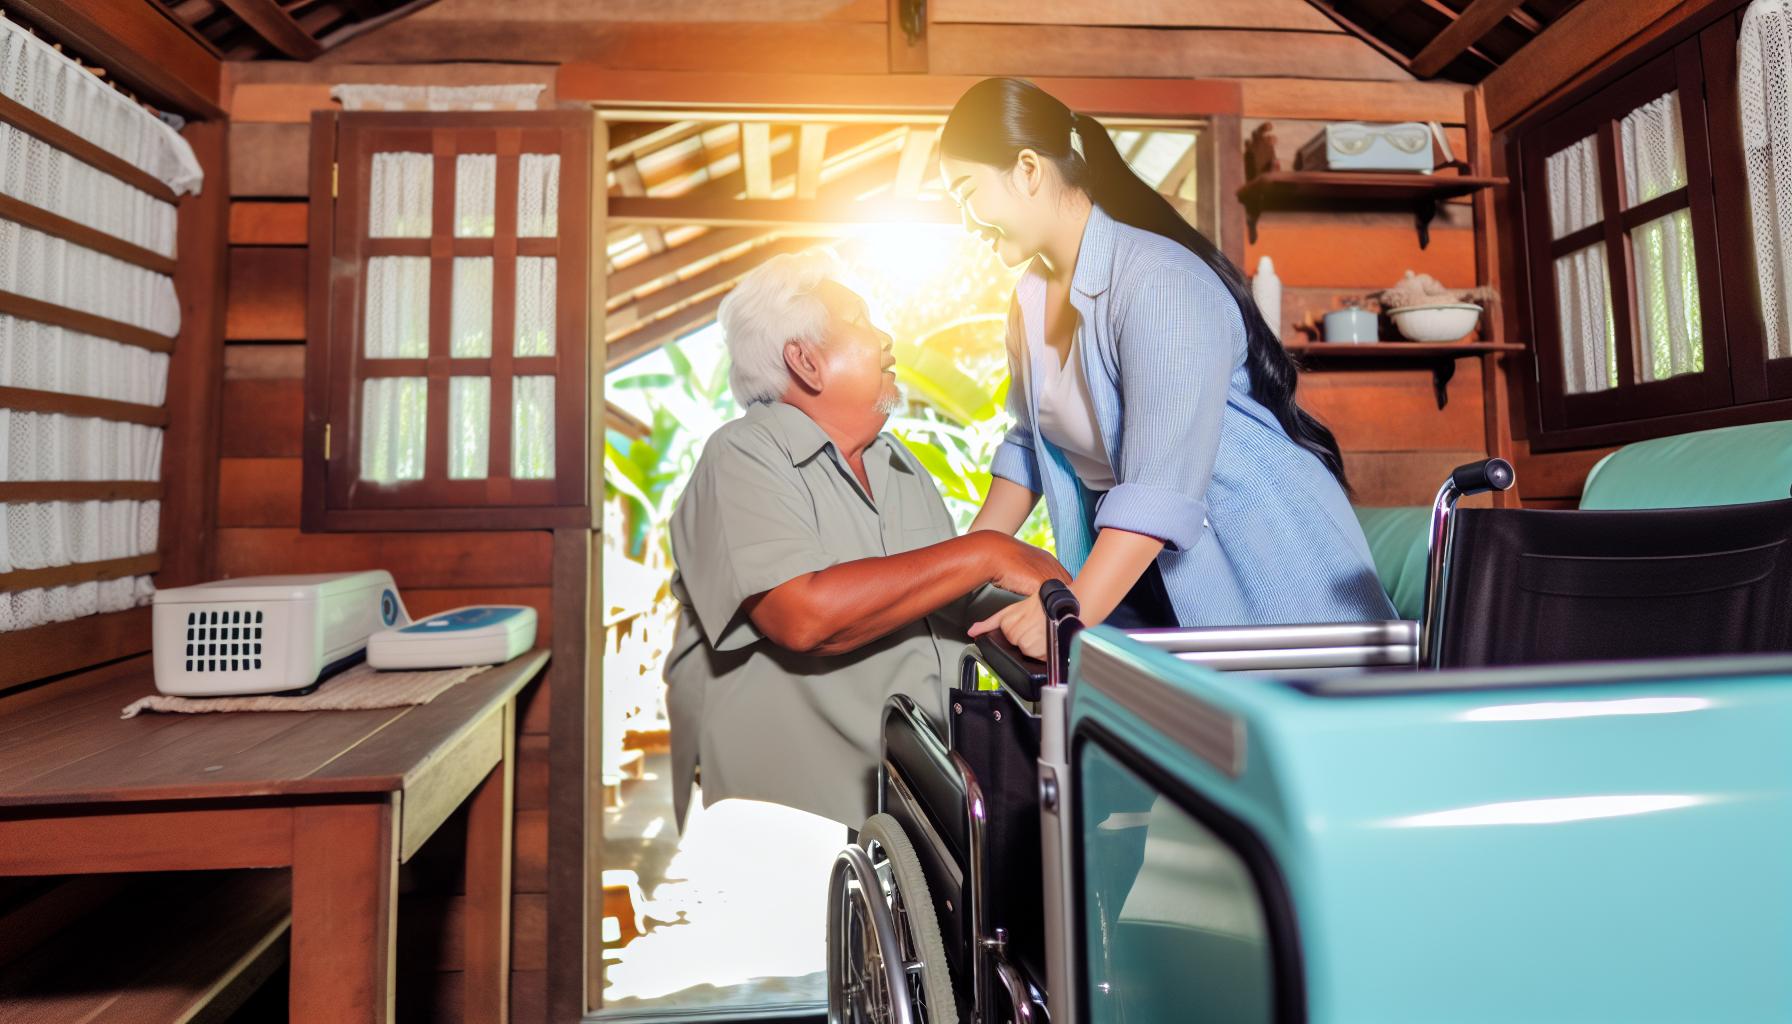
(771, 499)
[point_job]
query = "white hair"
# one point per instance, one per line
(774, 304)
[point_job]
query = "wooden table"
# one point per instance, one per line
(340, 797)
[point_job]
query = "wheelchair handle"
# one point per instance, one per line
(1062, 622)
(1472, 478)
(1486, 475)
(1059, 602)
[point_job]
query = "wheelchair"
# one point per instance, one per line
(955, 903)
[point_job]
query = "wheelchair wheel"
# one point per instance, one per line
(886, 960)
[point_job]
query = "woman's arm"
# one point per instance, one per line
(1005, 508)
(1117, 561)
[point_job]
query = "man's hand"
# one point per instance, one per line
(1019, 567)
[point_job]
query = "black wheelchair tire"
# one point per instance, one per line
(922, 919)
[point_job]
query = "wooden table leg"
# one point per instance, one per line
(486, 976)
(344, 912)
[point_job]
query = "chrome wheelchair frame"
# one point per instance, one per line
(921, 923)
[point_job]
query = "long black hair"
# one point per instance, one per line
(998, 117)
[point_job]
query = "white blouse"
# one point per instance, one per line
(1067, 415)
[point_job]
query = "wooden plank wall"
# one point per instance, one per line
(258, 496)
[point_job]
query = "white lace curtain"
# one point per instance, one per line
(50, 447)
(1667, 324)
(1764, 69)
(1652, 152)
(1583, 285)
(395, 410)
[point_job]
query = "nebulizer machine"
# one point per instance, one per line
(287, 634)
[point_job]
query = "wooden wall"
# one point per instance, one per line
(258, 494)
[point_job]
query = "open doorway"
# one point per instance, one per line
(728, 916)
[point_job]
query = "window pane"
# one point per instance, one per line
(394, 417)
(469, 427)
(475, 195)
(1574, 188)
(470, 330)
(532, 428)
(1174, 925)
(398, 196)
(538, 195)
(1767, 152)
(1652, 149)
(1670, 341)
(535, 305)
(1584, 309)
(397, 307)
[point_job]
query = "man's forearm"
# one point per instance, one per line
(846, 606)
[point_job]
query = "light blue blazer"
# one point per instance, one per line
(1255, 528)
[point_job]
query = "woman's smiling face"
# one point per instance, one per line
(1004, 207)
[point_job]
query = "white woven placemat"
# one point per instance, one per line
(352, 689)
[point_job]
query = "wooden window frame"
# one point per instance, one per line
(1631, 399)
(1739, 384)
(342, 146)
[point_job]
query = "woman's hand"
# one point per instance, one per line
(1022, 623)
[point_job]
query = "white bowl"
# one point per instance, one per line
(1443, 321)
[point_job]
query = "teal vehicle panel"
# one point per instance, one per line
(1596, 842)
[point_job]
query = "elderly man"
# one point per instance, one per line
(818, 569)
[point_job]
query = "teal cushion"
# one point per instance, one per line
(1397, 543)
(1726, 466)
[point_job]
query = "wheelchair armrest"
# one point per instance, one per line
(1023, 675)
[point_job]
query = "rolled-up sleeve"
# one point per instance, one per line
(744, 525)
(1175, 347)
(1015, 458)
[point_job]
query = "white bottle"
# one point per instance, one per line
(1266, 288)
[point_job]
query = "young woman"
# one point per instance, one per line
(1154, 406)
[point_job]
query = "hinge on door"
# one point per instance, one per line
(335, 173)
(326, 442)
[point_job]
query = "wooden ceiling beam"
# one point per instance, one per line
(660, 332)
(631, 139)
(839, 215)
(1449, 14)
(277, 28)
(638, 275)
(911, 167)
(360, 28)
(635, 316)
(838, 209)
(756, 158)
(615, 90)
(812, 151)
(628, 178)
(142, 48)
(1475, 21)
(1348, 24)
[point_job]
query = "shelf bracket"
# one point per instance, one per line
(1423, 215)
(1252, 210)
(1441, 373)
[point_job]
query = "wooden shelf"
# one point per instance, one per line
(1422, 191)
(1439, 357)
(1399, 349)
